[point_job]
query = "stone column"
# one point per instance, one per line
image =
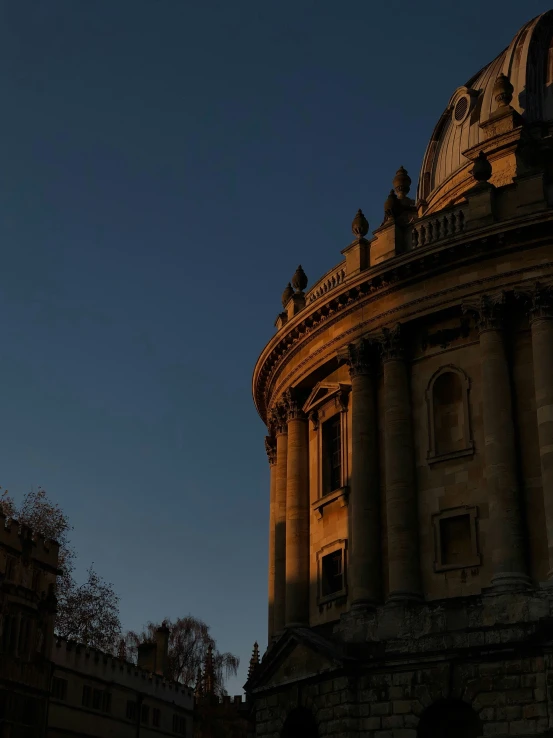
(278, 421)
(401, 495)
(505, 537)
(270, 447)
(541, 323)
(297, 516)
(364, 499)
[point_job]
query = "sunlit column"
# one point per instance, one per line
(297, 516)
(270, 447)
(401, 494)
(364, 503)
(278, 420)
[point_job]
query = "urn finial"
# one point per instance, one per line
(503, 91)
(402, 183)
(360, 225)
(482, 169)
(299, 280)
(391, 206)
(287, 294)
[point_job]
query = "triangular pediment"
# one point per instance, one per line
(298, 655)
(322, 392)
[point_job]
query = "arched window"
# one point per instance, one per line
(300, 723)
(448, 415)
(449, 719)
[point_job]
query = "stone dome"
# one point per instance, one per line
(528, 63)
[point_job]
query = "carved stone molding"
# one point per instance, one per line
(489, 311)
(278, 418)
(392, 345)
(270, 448)
(293, 406)
(539, 300)
(360, 357)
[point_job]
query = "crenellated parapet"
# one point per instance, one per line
(19, 540)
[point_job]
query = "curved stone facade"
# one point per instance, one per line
(408, 397)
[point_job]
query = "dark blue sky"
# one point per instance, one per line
(164, 167)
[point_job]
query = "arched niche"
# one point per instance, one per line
(447, 399)
(300, 723)
(449, 719)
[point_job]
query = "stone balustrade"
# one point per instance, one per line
(445, 224)
(327, 283)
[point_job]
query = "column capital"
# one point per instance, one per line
(538, 299)
(277, 418)
(488, 311)
(270, 448)
(293, 406)
(360, 357)
(392, 343)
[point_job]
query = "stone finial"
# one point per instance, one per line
(360, 225)
(287, 294)
(299, 280)
(402, 183)
(254, 661)
(482, 169)
(503, 91)
(391, 206)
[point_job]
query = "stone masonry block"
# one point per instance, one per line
(487, 713)
(519, 696)
(512, 712)
(522, 727)
(537, 709)
(512, 681)
(371, 723)
(401, 707)
(539, 695)
(533, 680)
(396, 693)
(490, 699)
(392, 721)
(380, 708)
(496, 728)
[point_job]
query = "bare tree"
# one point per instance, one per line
(189, 642)
(88, 613)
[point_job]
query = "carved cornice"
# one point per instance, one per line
(392, 343)
(393, 274)
(489, 311)
(270, 448)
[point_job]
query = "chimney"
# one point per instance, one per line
(162, 650)
(147, 657)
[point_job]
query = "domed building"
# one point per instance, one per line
(408, 397)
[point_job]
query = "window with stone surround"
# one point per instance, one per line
(327, 410)
(456, 539)
(59, 688)
(331, 566)
(447, 398)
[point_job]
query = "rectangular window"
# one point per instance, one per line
(145, 714)
(332, 454)
(332, 573)
(10, 568)
(131, 710)
(97, 699)
(179, 725)
(59, 688)
(106, 702)
(456, 540)
(87, 694)
(24, 632)
(156, 717)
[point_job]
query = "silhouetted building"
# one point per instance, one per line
(28, 570)
(408, 397)
(97, 695)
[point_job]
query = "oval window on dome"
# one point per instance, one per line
(461, 109)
